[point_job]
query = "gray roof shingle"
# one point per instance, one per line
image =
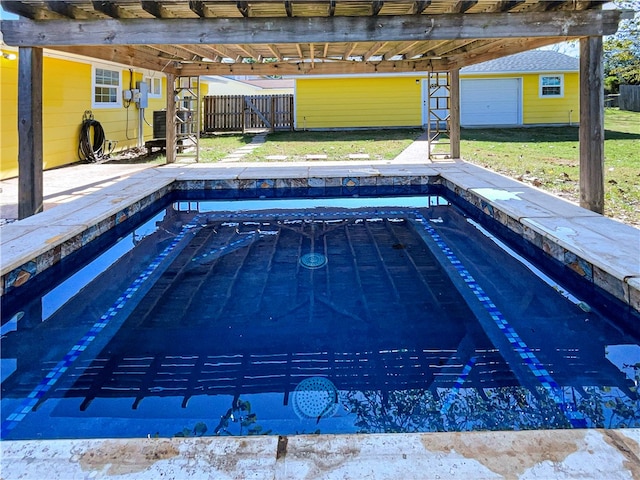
(531, 61)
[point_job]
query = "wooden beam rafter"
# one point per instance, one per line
(69, 10)
(418, 7)
(200, 9)
(249, 51)
(126, 55)
(349, 50)
(373, 50)
(501, 48)
(507, 5)
(243, 7)
(110, 9)
(276, 52)
(156, 9)
(463, 6)
(399, 49)
(376, 7)
(137, 31)
(321, 68)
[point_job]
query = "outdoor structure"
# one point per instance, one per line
(539, 87)
(183, 38)
(68, 92)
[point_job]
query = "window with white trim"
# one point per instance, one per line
(107, 90)
(155, 86)
(551, 86)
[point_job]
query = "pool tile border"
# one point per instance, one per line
(525, 211)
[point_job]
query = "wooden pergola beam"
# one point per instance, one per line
(317, 68)
(137, 31)
(30, 179)
(591, 125)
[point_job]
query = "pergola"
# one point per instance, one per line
(214, 37)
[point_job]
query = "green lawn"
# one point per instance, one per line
(214, 148)
(378, 144)
(548, 157)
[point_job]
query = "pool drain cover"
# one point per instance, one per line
(315, 397)
(313, 260)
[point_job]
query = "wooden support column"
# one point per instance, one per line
(454, 113)
(170, 123)
(591, 124)
(30, 182)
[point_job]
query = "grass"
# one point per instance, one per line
(548, 158)
(214, 148)
(378, 144)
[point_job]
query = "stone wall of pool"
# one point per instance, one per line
(591, 251)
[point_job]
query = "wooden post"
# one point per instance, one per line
(454, 113)
(170, 122)
(591, 124)
(30, 180)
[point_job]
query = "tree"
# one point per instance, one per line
(622, 50)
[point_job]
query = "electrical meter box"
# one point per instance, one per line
(143, 88)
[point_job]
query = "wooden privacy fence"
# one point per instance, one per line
(629, 98)
(239, 113)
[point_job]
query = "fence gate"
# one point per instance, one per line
(240, 113)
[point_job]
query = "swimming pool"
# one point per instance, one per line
(304, 316)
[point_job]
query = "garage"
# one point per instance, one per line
(490, 102)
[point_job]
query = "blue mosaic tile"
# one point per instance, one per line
(121, 216)
(578, 265)
(20, 275)
(56, 372)
(350, 182)
(536, 367)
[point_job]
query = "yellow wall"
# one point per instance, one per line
(540, 110)
(67, 93)
(8, 117)
(358, 102)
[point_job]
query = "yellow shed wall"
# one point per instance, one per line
(358, 102)
(67, 93)
(8, 118)
(562, 110)
(539, 110)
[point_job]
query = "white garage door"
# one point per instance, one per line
(490, 102)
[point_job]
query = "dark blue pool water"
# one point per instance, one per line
(283, 318)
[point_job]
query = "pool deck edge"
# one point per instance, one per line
(583, 454)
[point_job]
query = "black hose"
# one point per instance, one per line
(91, 151)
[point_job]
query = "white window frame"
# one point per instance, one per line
(151, 81)
(543, 86)
(94, 85)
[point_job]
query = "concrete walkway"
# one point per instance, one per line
(62, 185)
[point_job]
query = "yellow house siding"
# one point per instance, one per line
(358, 102)
(67, 94)
(540, 110)
(8, 118)
(64, 99)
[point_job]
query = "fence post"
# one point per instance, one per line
(629, 98)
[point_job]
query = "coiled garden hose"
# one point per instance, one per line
(91, 151)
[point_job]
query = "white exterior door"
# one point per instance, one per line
(491, 102)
